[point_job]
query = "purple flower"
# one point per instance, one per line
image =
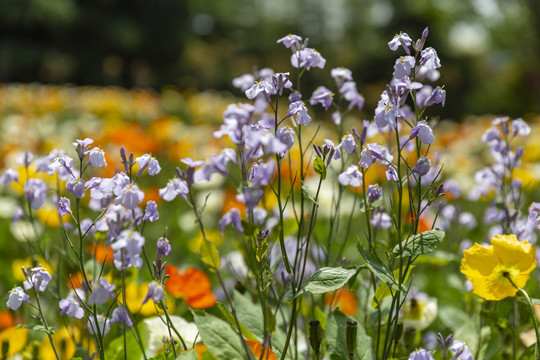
(128, 248)
(175, 187)
(243, 82)
(103, 325)
(374, 193)
(155, 292)
(232, 217)
(422, 167)
(281, 81)
(424, 133)
(298, 108)
(350, 93)
(520, 127)
(322, 96)
(351, 176)
(120, 315)
(400, 39)
(8, 176)
(461, 351)
(97, 157)
(467, 220)
(438, 96)
(19, 214)
(76, 186)
(374, 152)
(291, 41)
(151, 214)
(71, 307)
(37, 278)
(130, 196)
(102, 292)
(147, 161)
(250, 197)
(348, 144)
(35, 191)
(430, 59)
(391, 174)
(403, 67)
(61, 164)
(163, 248)
(286, 136)
(64, 206)
(16, 297)
(261, 173)
(381, 220)
(260, 87)
(421, 354)
(341, 75)
(82, 146)
(307, 58)
(24, 159)
(386, 112)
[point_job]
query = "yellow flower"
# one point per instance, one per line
(489, 268)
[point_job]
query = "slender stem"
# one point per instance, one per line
(44, 322)
(533, 315)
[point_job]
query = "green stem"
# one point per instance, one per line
(533, 315)
(44, 322)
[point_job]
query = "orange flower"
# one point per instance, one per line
(344, 299)
(193, 285)
(257, 349)
(6, 319)
(101, 252)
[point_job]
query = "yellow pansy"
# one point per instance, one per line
(16, 338)
(489, 268)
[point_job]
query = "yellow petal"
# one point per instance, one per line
(478, 261)
(515, 253)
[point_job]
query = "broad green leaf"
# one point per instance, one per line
(452, 317)
(210, 254)
(378, 269)
(309, 194)
(335, 339)
(187, 355)
(219, 337)
(420, 244)
(230, 318)
(383, 290)
(250, 315)
(319, 167)
(325, 280)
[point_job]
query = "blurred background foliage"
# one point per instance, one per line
(490, 49)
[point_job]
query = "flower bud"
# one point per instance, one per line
(351, 331)
(315, 335)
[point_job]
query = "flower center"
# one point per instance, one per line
(504, 273)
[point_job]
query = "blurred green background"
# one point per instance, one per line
(489, 49)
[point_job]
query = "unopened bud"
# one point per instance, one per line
(315, 335)
(351, 331)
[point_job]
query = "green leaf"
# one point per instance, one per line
(372, 205)
(262, 248)
(378, 269)
(324, 280)
(187, 355)
(210, 254)
(335, 339)
(319, 167)
(37, 328)
(219, 337)
(230, 318)
(438, 258)
(420, 244)
(309, 194)
(383, 290)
